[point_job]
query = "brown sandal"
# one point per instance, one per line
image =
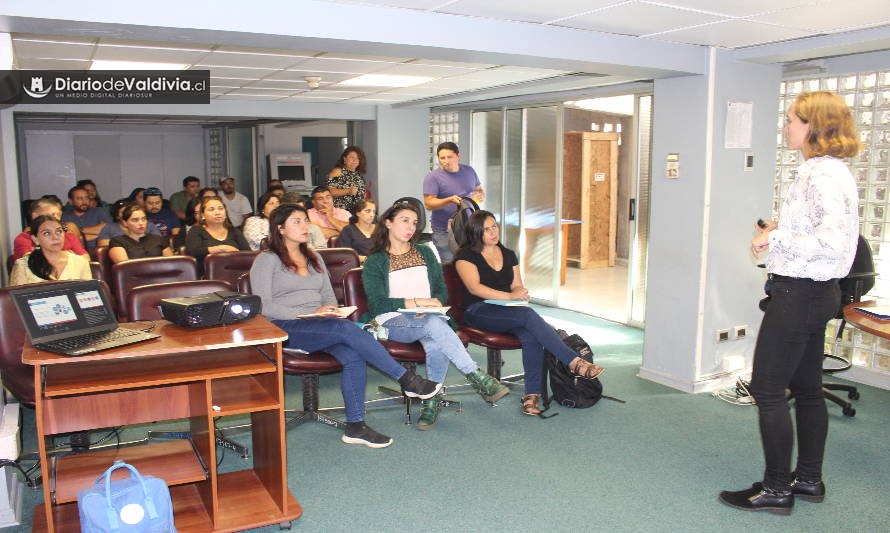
(530, 404)
(585, 369)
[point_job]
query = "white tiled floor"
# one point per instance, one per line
(600, 292)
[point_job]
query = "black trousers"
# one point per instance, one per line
(788, 355)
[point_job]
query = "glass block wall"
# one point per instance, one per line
(868, 95)
(443, 127)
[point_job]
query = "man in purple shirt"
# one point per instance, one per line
(442, 190)
(162, 217)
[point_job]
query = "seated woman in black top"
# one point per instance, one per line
(215, 233)
(136, 242)
(490, 271)
(357, 235)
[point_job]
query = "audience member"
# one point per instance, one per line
(277, 190)
(178, 200)
(490, 271)
(90, 220)
(292, 281)
(165, 219)
(400, 275)
(48, 260)
(357, 235)
(317, 238)
(136, 243)
(116, 228)
(256, 228)
(323, 214)
(214, 233)
(95, 199)
(208, 191)
(237, 205)
(47, 205)
(137, 195)
(443, 189)
(345, 181)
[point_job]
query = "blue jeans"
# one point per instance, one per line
(439, 341)
(788, 355)
(532, 331)
(351, 346)
(440, 239)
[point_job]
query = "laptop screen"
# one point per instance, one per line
(56, 311)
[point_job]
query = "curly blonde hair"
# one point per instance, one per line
(832, 129)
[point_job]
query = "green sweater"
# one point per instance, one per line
(375, 276)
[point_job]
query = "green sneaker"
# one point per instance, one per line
(487, 387)
(429, 411)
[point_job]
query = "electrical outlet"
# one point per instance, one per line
(741, 332)
(722, 335)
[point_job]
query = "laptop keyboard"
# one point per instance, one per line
(93, 340)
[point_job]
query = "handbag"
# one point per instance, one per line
(136, 503)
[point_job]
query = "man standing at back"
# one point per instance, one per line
(442, 190)
(237, 205)
(180, 199)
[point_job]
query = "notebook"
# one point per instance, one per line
(72, 318)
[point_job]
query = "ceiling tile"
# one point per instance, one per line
(300, 75)
(241, 59)
(523, 11)
(138, 53)
(232, 72)
(735, 9)
(433, 71)
(732, 34)
(831, 16)
(324, 64)
(46, 49)
(638, 19)
(53, 64)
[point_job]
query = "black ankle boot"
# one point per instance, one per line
(759, 498)
(811, 491)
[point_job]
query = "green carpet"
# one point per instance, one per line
(655, 463)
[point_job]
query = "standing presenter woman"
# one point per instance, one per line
(809, 248)
(490, 271)
(292, 281)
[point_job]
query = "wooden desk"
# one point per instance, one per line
(195, 374)
(881, 328)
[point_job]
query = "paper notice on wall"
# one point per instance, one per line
(739, 117)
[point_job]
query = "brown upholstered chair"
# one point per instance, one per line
(339, 261)
(332, 241)
(491, 341)
(101, 254)
(227, 266)
(135, 272)
(309, 367)
(408, 354)
(142, 302)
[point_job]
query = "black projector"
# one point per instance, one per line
(211, 309)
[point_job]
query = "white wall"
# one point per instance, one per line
(117, 157)
(701, 277)
(402, 148)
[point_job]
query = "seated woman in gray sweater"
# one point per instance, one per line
(292, 281)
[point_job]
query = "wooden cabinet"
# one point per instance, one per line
(590, 195)
(194, 374)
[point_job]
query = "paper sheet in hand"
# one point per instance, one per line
(341, 312)
(425, 310)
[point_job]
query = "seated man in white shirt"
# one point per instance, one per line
(237, 205)
(323, 214)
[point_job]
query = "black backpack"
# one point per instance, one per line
(567, 389)
(458, 222)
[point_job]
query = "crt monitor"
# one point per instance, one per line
(294, 170)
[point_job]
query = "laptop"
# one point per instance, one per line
(72, 318)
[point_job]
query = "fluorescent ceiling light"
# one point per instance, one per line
(385, 80)
(135, 65)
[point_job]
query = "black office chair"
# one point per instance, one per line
(854, 286)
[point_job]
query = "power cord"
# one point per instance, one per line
(738, 394)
